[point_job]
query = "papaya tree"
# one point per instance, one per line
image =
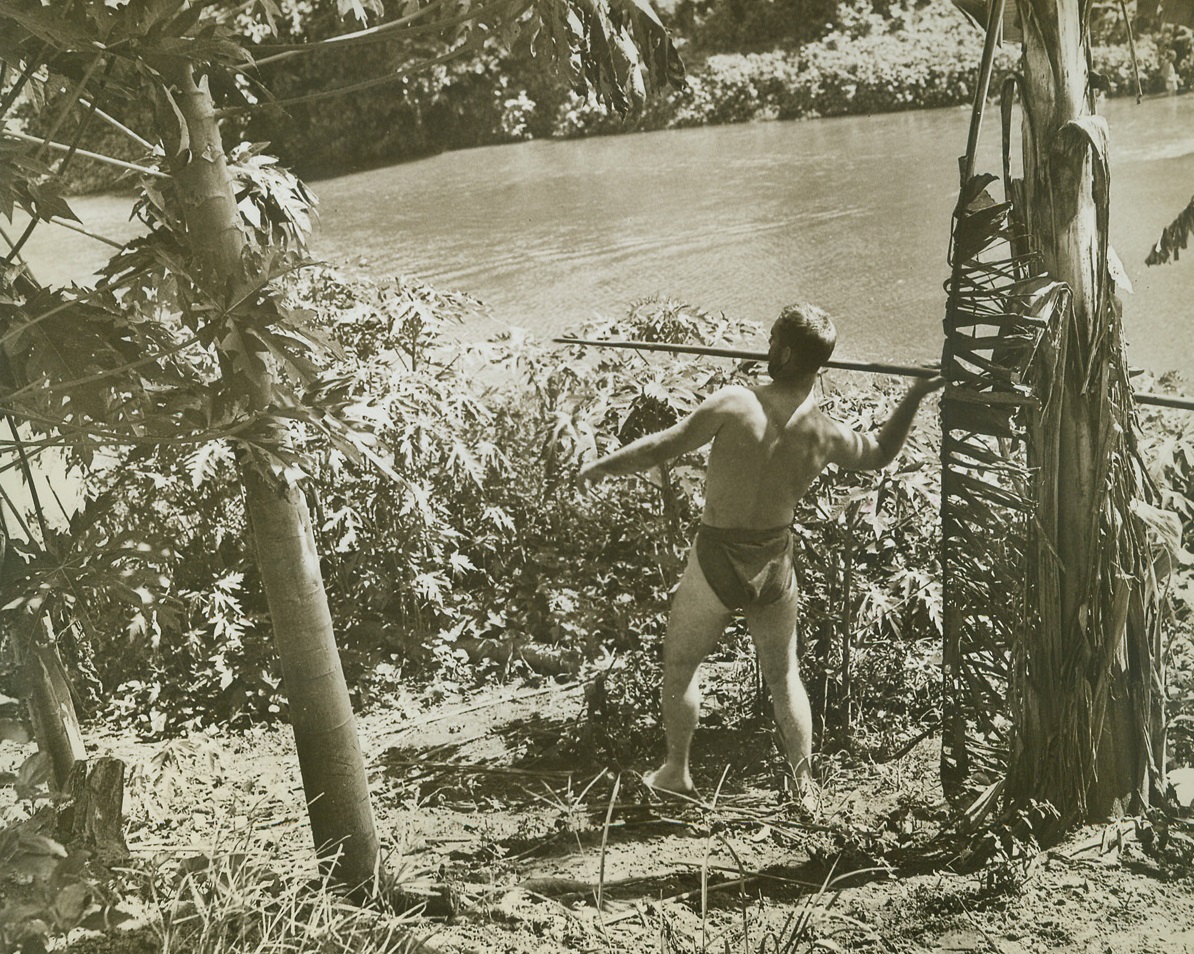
(189, 337)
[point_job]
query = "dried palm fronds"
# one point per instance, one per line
(997, 310)
(1052, 643)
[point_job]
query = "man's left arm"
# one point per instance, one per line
(695, 430)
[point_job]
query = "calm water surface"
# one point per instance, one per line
(850, 213)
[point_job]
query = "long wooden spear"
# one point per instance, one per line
(902, 370)
(908, 372)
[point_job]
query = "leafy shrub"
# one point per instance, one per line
(1114, 63)
(46, 888)
(1168, 447)
(867, 546)
(916, 59)
(1010, 850)
(885, 72)
(621, 724)
(188, 645)
(734, 88)
(732, 25)
(921, 59)
(478, 534)
(517, 116)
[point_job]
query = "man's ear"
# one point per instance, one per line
(785, 356)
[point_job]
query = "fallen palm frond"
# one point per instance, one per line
(997, 309)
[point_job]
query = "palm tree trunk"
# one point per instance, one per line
(329, 751)
(1083, 691)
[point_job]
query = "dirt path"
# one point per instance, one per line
(474, 793)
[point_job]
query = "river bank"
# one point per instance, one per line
(926, 61)
(914, 59)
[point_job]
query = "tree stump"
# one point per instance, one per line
(92, 817)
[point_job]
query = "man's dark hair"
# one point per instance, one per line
(809, 332)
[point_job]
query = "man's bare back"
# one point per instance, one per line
(770, 446)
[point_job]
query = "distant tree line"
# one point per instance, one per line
(747, 60)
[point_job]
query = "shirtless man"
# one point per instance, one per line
(769, 445)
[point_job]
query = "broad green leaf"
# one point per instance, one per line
(34, 844)
(1166, 527)
(49, 203)
(70, 904)
(32, 775)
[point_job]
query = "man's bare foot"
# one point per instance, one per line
(805, 792)
(808, 794)
(667, 781)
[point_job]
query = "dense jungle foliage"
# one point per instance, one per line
(479, 557)
(747, 60)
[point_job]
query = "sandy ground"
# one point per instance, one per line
(474, 800)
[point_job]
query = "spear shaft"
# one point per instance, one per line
(907, 371)
(743, 355)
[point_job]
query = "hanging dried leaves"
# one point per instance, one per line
(1174, 239)
(997, 310)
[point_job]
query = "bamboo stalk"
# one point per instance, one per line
(994, 29)
(900, 370)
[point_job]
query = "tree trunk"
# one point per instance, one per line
(51, 707)
(92, 817)
(1083, 691)
(329, 751)
(325, 735)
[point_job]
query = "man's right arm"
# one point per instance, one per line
(693, 431)
(854, 451)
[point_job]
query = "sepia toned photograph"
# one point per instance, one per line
(648, 476)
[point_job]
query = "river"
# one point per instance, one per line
(851, 213)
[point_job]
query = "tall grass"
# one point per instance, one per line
(233, 903)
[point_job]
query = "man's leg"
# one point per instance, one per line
(696, 623)
(773, 629)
